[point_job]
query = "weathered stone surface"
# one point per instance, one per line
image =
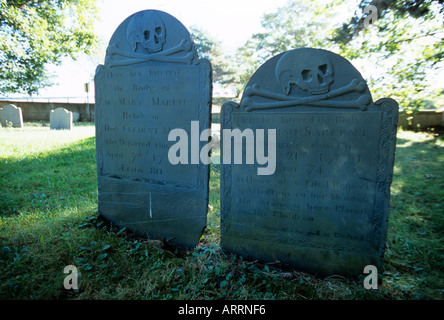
(60, 119)
(11, 115)
(325, 209)
(151, 83)
(75, 116)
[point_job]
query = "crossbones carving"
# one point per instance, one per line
(136, 57)
(284, 101)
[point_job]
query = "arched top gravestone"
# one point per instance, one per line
(304, 78)
(11, 115)
(150, 37)
(60, 119)
(152, 82)
(325, 206)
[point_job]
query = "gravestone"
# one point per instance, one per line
(11, 115)
(152, 83)
(60, 119)
(75, 117)
(324, 208)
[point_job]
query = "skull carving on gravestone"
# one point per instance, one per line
(148, 29)
(310, 72)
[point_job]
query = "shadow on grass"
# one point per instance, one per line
(414, 242)
(65, 179)
(418, 176)
(44, 196)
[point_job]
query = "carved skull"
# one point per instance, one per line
(148, 29)
(309, 69)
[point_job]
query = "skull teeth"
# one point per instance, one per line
(321, 91)
(152, 49)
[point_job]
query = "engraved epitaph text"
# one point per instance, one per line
(151, 83)
(325, 209)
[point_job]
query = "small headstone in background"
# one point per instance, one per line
(11, 116)
(75, 116)
(60, 119)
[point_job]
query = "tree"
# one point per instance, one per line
(211, 49)
(300, 23)
(398, 50)
(36, 33)
(405, 43)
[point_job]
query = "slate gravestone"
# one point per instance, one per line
(325, 207)
(11, 115)
(152, 82)
(60, 119)
(75, 117)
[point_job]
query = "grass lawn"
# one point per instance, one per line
(48, 220)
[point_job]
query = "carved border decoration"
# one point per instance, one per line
(384, 176)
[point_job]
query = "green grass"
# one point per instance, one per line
(48, 220)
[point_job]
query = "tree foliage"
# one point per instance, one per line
(36, 33)
(298, 24)
(397, 52)
(400, 8)
(211, 49)
(405, 43)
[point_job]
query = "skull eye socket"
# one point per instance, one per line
(158, 31)
(323, 68)
(146, 34)
(306, 75)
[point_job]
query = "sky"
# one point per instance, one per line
(230, 21)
